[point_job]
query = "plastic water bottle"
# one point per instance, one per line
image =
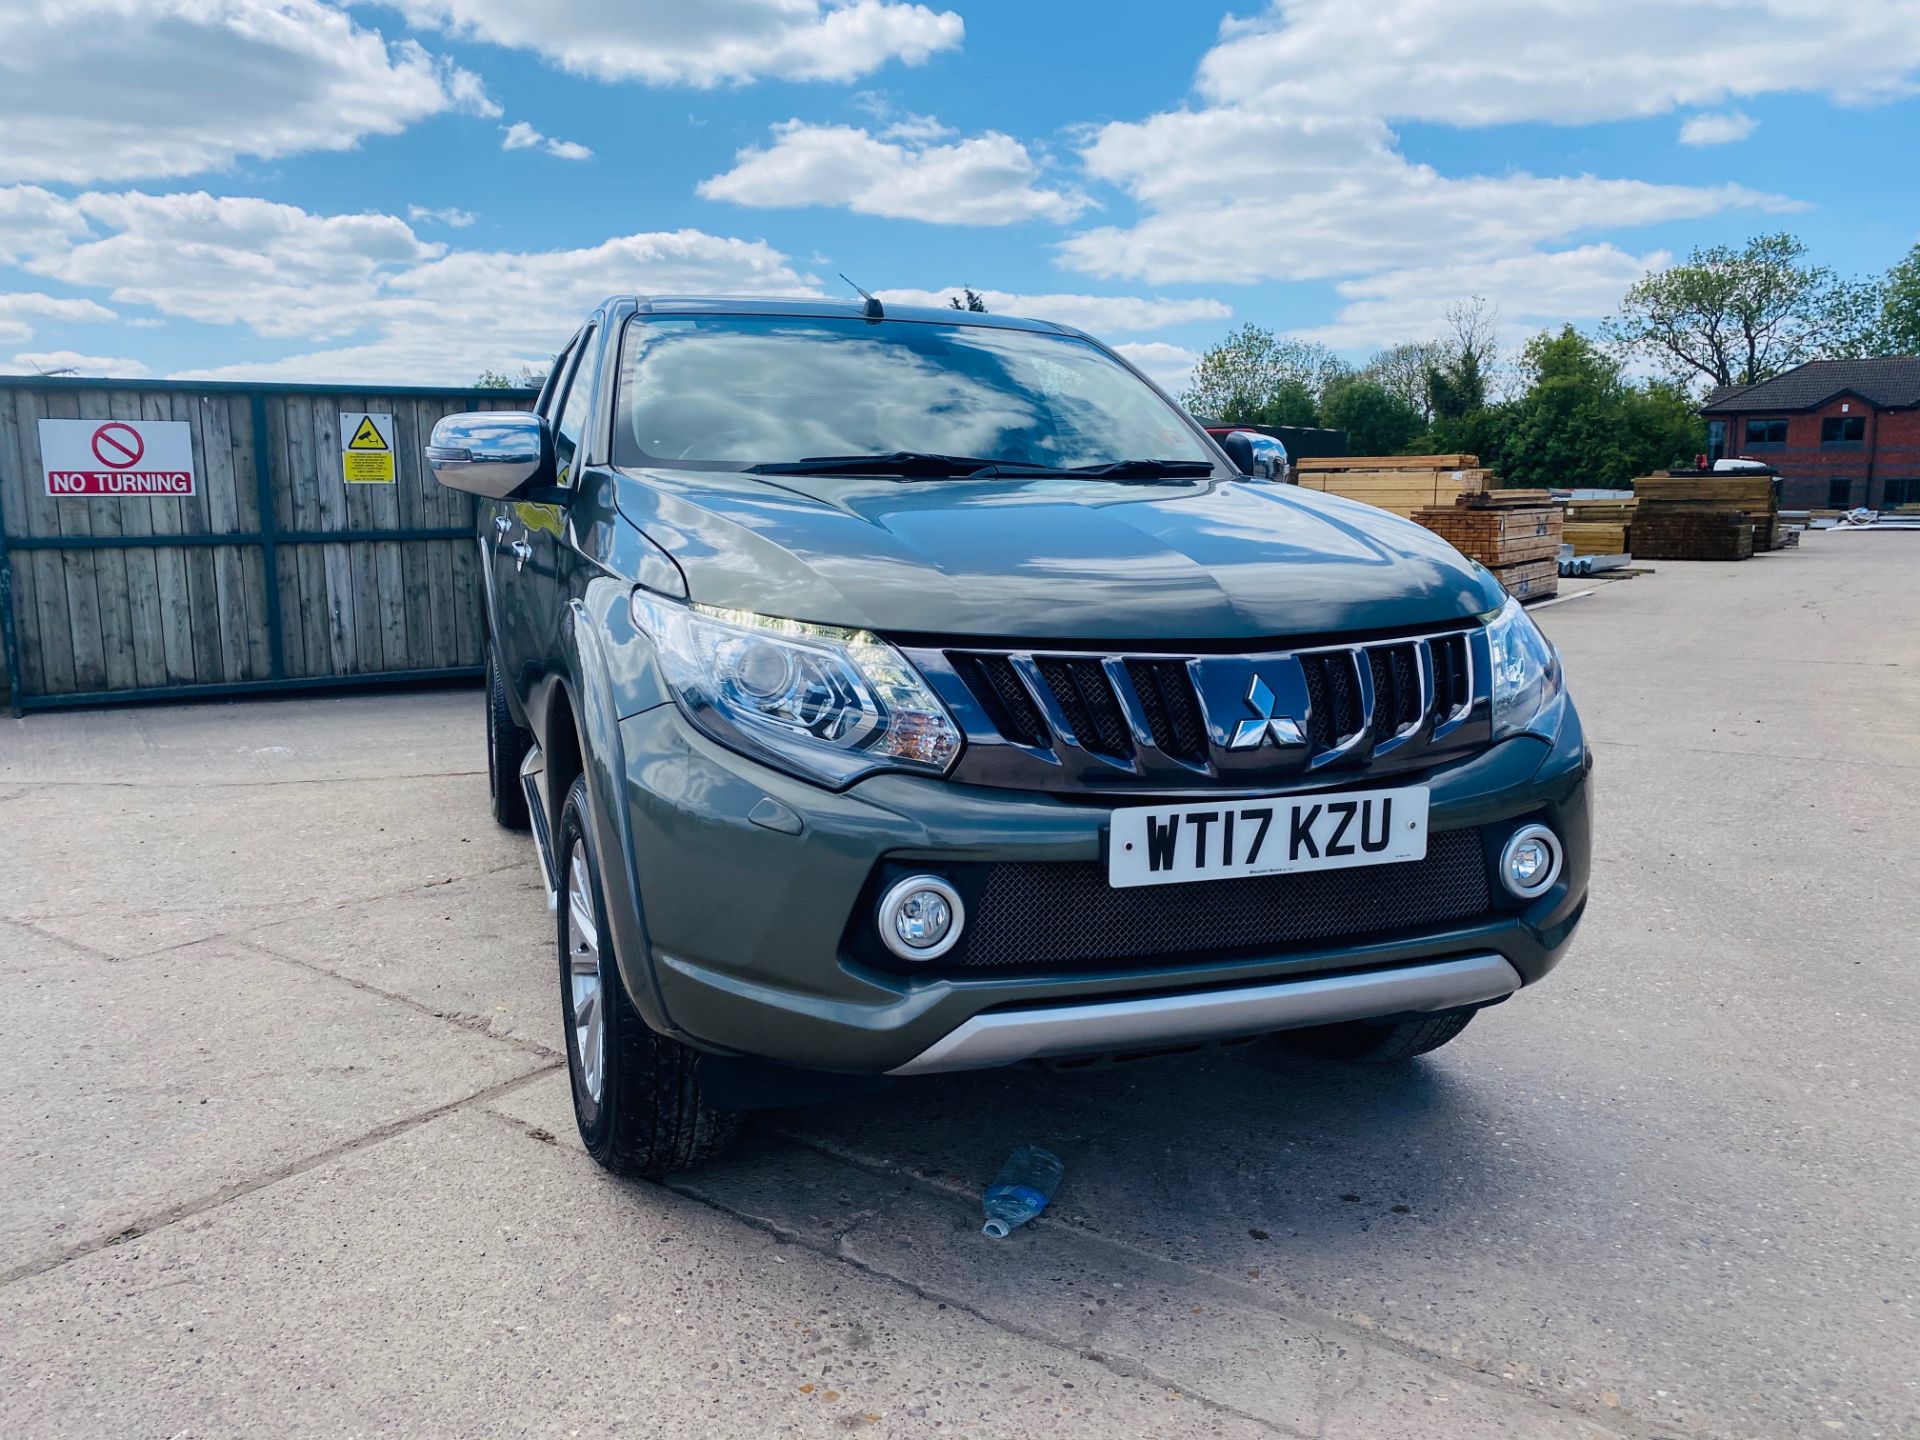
(1024, 1186)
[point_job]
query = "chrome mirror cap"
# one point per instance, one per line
(1257, 455)
(489, 453)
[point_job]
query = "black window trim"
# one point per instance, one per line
(552, 394)
(1841, 422)
(584, 353)
(1767, 420)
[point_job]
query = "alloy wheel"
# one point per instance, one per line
(587, 1009)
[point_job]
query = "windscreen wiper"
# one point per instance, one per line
(1140, 469)
(908, 463)
(923, 465)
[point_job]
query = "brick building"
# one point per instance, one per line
(1840, 432)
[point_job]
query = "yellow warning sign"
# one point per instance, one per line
(366, 447)
(368, 436)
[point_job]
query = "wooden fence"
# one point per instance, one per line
(274, 574)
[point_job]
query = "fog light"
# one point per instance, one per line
(920, 918)
(1531, 861)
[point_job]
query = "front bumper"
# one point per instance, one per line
(746, 915)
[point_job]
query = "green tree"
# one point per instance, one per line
(1899, 328)
(1458, 366)
(1481, 432)
(1377, 421)
(1401, 370)
(527, 378)
(1734, 317)
(972, 302)
(1579, 423)
(1291, 403)
(1253, 376)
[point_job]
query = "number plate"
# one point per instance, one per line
(1169, 844)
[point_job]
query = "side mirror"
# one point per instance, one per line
(1257, 455)
(491, 453)
(1239, 447)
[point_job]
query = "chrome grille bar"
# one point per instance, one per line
(1162, 720)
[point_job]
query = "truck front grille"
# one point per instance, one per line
(1042, 916)
(1166, 724)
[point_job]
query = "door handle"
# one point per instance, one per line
(521, 552)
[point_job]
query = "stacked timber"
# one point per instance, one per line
(1684, 532)
(1514, 533)
(1703, 515)
(1599, 527)
(1400, 483)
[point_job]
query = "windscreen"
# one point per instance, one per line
(732, 391)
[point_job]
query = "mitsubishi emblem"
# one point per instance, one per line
(1252, 734)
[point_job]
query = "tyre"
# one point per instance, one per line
(636, 1095)
(507, 746)
(1378, 1044)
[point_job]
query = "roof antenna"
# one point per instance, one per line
(875, 311)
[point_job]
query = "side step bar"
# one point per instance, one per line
(1006, 1037)
(532, 771)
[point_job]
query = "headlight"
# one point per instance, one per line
(1526, 671)
(829, 703)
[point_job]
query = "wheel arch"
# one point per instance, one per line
(583, 739)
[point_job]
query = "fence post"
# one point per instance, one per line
(269, 539)
(9, 639)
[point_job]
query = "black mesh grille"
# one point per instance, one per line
(1449, 673)
(1166, 694)
(1086, 698)
(992, 678)
(1051, 915)
(1333, 698)
(1396, 688)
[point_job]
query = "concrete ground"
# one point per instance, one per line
(285, 1145)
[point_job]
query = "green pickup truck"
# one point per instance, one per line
(894, 691)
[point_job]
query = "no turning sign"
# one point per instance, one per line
(130, 458)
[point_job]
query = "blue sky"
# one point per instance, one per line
(291, 189)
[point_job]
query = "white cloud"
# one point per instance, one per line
(988, 179)
(1242, 192)
(34, 221)
(703, 43)
(1567, 63)
(400, 308)
(45, 362)
(21, 313)
(1098, 315)
(1169, 366)
(1722, 128)
(449, 215)
(275, 268)
(1285, 166)
(1531, 291)
(522, 136)
(113, 89)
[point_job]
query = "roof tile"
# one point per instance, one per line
(1887, 382)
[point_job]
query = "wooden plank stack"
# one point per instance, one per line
(1514, 533)
(1599, 527)
(1678, 532)
(1704, 516)
(1400, 483)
